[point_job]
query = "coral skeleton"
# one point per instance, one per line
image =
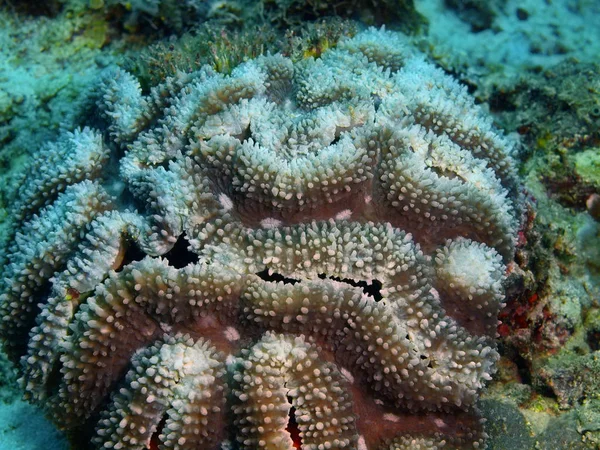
(295, 254)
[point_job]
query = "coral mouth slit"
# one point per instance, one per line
(293, 429)
(372, 288)
(274, 277)
(154, 439)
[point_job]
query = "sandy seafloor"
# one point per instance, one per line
(523, 37)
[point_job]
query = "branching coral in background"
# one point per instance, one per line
(347, 220)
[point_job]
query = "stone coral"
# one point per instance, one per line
(347, 221)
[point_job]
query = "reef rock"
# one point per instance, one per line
(295, 254)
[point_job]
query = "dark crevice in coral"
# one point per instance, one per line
(245, 134)
(164, 164)
(19, 341)
(336, 139)
(80, 438)
(132, 253)
(180, 255)
(54, 379)
(376, 101)
(130, 201)
(471, 87)
(442, 173)
(275, 277)
(430, 364)
(372, 288)
(154, 441)
(292, 427)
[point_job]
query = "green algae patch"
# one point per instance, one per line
(96, 33)
(587, 166)
(588, 422)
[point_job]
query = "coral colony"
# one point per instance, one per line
(295, 254)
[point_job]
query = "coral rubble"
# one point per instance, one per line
(347, 220)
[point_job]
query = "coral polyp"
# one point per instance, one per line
(318, 246)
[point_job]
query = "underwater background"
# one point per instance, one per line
(533, 66)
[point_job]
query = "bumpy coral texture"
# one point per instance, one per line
(306, 254)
